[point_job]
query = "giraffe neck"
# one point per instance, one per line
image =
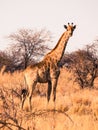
(58, 51)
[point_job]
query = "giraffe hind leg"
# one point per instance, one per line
(31, 89)
(23, 97)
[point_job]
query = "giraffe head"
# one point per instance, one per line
(70, 28)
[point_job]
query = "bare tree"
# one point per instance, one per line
(28, 45)
(84, 64)
(5, 60)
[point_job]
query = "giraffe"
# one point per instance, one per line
(47, 70)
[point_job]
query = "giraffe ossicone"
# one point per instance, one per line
(47, 70)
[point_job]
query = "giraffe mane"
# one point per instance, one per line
(56, 44)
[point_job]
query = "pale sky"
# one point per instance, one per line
(52, 15)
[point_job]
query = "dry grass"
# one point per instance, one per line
(74, 108)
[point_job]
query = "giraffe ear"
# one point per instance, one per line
(74, 26)
(65, 26)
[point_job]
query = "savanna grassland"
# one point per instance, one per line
(75, 108)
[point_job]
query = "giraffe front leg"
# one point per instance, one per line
(54, 86)
(54, 74)
(49, 90)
